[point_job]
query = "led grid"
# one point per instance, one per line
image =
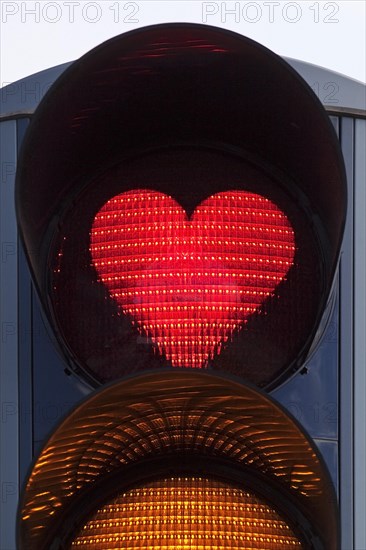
(181, 513)
(189, 283)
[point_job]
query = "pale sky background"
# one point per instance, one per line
(39, 35)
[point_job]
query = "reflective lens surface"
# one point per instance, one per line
(185, 259)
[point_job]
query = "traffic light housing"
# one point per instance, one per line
(200, 120)
(179, 423)
(189, 112)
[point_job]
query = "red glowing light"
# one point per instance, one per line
(190, 283)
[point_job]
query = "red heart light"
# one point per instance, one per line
(189, 283)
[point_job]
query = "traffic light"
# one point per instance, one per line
(179, 459)
(181, 197)
(179, 127)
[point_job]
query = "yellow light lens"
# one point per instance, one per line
(182, 513)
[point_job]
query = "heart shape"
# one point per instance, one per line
(190, 283)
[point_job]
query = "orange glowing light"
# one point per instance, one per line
(187, 513)
(189, 283)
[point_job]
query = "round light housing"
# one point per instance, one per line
(189, 112)
(179, 423)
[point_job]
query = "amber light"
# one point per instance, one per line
(146, 426)
(181, 513)
(189, 283)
